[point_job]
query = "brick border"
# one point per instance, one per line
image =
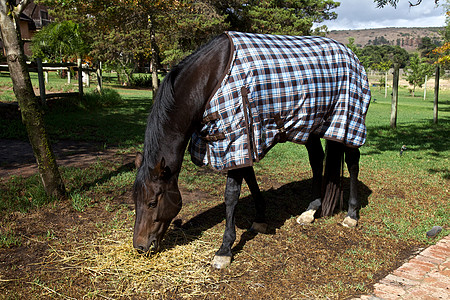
(426, 276)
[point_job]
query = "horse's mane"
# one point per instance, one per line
(163, 104)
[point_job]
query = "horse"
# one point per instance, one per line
(183, 115)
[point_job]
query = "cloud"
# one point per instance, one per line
(362, 14)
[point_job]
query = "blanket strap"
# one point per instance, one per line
(214, 137)
(281, 136)
(211, 117)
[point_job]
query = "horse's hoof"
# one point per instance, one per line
(349, 222)
(221, 262)
(259, 227)
(306, 218)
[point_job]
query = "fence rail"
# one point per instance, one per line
(43, 68)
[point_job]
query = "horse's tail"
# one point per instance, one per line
(332, 190)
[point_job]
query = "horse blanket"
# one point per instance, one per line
(281, 88)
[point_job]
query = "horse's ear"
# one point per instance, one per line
(161, 171)
(138, 160)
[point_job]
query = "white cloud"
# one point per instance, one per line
(362, 14)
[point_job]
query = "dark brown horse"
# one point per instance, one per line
(177, 113)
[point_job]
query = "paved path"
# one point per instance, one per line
(426, 276)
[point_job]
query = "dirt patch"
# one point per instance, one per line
(17, 159)
(62, 252)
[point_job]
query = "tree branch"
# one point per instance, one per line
(417, 3)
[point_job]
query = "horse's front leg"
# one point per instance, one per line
(222, 259)
(316, 156)
(352, 156)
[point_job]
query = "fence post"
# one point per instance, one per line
(68, 75)
(425, 88)
(99, 77)
(436, 95)
(394, 97)
(385, 84)
(80, 78)
(41, 80)
(88, 78)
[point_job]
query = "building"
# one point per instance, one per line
(33, 18)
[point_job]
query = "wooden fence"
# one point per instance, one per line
(43, 68)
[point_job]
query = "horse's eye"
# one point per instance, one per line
(154, 202)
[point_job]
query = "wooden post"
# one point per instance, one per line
(436, 95)
(80, 78)
(425, 88)
(394, 97)
(68, 75)
(385, 85)
(88, 78)
(41, 80)
(99, 77)
(46, 77)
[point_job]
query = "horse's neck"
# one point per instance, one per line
(193, 87)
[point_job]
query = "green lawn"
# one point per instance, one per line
(423, 166)
(402, 196)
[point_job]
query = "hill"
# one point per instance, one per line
(407, 38)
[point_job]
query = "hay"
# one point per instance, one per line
(116, 269)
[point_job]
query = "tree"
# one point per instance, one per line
(31, 110)
(426, 48)
(372, 55)
(277, 16)
(384, 66)
(416, 72)
(60, 42)
(443, 52)
(127, 31)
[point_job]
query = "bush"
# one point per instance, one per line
(91, 100)
(108, 97)
(143, 81)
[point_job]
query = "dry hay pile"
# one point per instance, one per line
(116, 270)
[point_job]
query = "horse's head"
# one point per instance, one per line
(157, 201)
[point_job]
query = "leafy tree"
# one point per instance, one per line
(31, 111)
(443, 52)
(372, 55)
(352, 46)
(416, 71)
(60, 42)
(277, 16)
(426, 48)
(383, 66)
(127, 31)
(196, 24)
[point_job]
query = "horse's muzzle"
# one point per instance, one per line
(152, 246)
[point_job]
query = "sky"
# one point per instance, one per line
(363, 14)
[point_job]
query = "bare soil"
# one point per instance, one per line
(297, 260)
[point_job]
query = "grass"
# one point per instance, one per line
(403, 197)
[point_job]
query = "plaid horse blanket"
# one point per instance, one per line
(281, 88)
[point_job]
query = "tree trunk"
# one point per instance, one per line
(436, 95)
(394, 97)
(31, 110)
(155, 59)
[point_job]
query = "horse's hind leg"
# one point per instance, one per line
(222, 259)
(316, 156)
(352, 160)
(259, 223)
